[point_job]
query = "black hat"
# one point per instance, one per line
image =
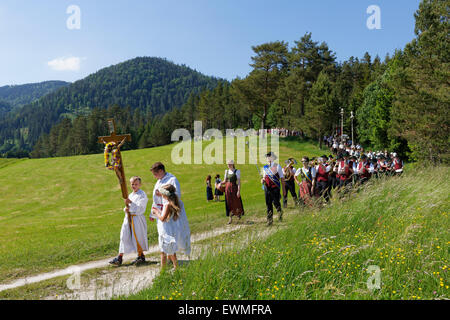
(271, 155)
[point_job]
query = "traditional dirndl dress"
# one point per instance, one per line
(305, 187)
(209, 194)
(233, 204)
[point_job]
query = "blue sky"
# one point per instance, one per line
(212, 36)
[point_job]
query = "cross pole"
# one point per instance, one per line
(114, 137)
(118, 140)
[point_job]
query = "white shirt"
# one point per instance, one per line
(275, 168)
(316, 168)
(230, 172)
(305, 171)
(159, 202)
(138, 202)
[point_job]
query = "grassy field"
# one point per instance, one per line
(395, 230)
(61, 211)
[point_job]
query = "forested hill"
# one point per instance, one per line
(4, 108)
(19, 95)
(151, 85)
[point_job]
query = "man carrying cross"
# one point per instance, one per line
(133, 236)
(136, 239)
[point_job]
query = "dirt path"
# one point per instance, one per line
(78, 269)
(123, 281)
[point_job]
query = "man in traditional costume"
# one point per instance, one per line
(345, 170)
(397, 165)
(322, 173)
(289, 179)
(273, 180)
(133, 238)
(363, 169)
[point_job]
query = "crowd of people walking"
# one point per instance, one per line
(346, 166)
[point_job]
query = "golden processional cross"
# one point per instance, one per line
(113, 157)
(113, 161)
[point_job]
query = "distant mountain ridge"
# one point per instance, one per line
(20, 95)
(151, 85)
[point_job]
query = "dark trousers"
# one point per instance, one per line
(323, 190)
(362, 180)
(343, 183)
(290, 186)
(332, 181)
(273, 197)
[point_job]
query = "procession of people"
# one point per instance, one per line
(346, 167)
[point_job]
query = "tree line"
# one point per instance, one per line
(400, 103)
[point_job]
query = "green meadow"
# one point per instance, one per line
(388, 240)
(57, 212)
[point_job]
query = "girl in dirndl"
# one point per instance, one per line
(217, 192)
(306, 180)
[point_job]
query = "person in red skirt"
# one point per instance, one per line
(232, 186)
(306, 180)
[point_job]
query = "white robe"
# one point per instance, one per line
(159, 202)
(137, 207)
(174, 235)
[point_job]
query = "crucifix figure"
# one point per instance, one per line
(113, 161)
(113, 142)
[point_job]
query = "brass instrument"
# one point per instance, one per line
(287, 169)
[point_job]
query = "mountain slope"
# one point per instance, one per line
(5, 107)
(152, 85)
(20, 95)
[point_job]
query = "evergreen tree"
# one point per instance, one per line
(321, 108)
(422, 94)
(258, 90)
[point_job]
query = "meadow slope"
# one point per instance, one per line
(389, 240)
(58, 212)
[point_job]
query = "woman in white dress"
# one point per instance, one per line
(173, 227)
